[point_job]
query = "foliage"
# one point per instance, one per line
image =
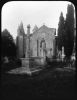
(35, 28)
(8, 45)
(21, 32)
(61, 32)
(69, 31)
(20, 29)
(66, 31)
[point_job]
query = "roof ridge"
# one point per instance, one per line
(41, 27)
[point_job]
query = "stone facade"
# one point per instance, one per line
(42, 42)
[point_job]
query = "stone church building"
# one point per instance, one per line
(41, 42)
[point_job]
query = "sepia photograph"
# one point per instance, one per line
(38, 50)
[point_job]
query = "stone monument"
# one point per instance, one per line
(26, 61)
(63, 55)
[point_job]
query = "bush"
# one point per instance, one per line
(11, 65)
(18, 62)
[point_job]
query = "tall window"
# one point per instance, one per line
(43, 47)
(42, 44)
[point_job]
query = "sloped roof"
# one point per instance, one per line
(44, 27)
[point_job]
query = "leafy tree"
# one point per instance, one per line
(61, 32)
(35, 28)
(21, 32)
(20, 29)
(8, 45)
(69, 31)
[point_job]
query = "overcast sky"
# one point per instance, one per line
(32, 12)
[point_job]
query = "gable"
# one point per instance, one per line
(45, 29)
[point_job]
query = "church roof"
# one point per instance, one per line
(44, 28)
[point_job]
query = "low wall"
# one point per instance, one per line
(34, 60)
(39, 60)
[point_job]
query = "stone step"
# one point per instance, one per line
(24, 70)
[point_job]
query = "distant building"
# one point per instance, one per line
(42, 42)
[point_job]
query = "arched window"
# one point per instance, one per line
(42, 44)
(43, 47)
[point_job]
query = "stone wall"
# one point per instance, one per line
(48, 35)
(36, 50)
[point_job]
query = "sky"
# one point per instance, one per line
(33, 13)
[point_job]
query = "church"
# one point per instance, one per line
(40, 43)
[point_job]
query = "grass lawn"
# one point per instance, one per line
(47, 84)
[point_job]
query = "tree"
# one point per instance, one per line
(61, 32)
(20, 29)
(69, 31)
(35, 28)
(21, 33)
(8, 45)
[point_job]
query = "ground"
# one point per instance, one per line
(57, 83)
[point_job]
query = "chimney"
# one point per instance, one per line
(28, 30)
